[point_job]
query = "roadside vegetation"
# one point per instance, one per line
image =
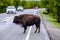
(53, 8)
(53, 11)
(16, 3)
(49, 18)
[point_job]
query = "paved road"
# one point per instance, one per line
(11, 31)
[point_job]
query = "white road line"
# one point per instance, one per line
(28, 33)
(5, 19)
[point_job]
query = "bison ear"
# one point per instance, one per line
(16, 16)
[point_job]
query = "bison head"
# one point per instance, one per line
(16, 20)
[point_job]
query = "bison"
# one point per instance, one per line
(28, 20)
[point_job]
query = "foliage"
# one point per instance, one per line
(16, 3)
(53, 8)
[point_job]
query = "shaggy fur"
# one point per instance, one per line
(28, 20)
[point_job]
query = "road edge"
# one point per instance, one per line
(45, 26)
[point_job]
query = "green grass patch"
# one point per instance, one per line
(52, 20)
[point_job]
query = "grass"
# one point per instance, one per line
(52, 20)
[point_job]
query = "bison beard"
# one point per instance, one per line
(28, 20)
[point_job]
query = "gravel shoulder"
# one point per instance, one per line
(53, 32)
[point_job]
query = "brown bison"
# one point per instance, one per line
(28, 20)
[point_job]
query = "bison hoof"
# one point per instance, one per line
(35, 32)
(24, 32)
(38, 31)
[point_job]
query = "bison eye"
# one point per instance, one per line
(15, 21)
(16, 16)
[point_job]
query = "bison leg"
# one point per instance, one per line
(36, 30)
(25, 29)
(37, 27)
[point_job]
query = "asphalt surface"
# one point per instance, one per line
(11, 31)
